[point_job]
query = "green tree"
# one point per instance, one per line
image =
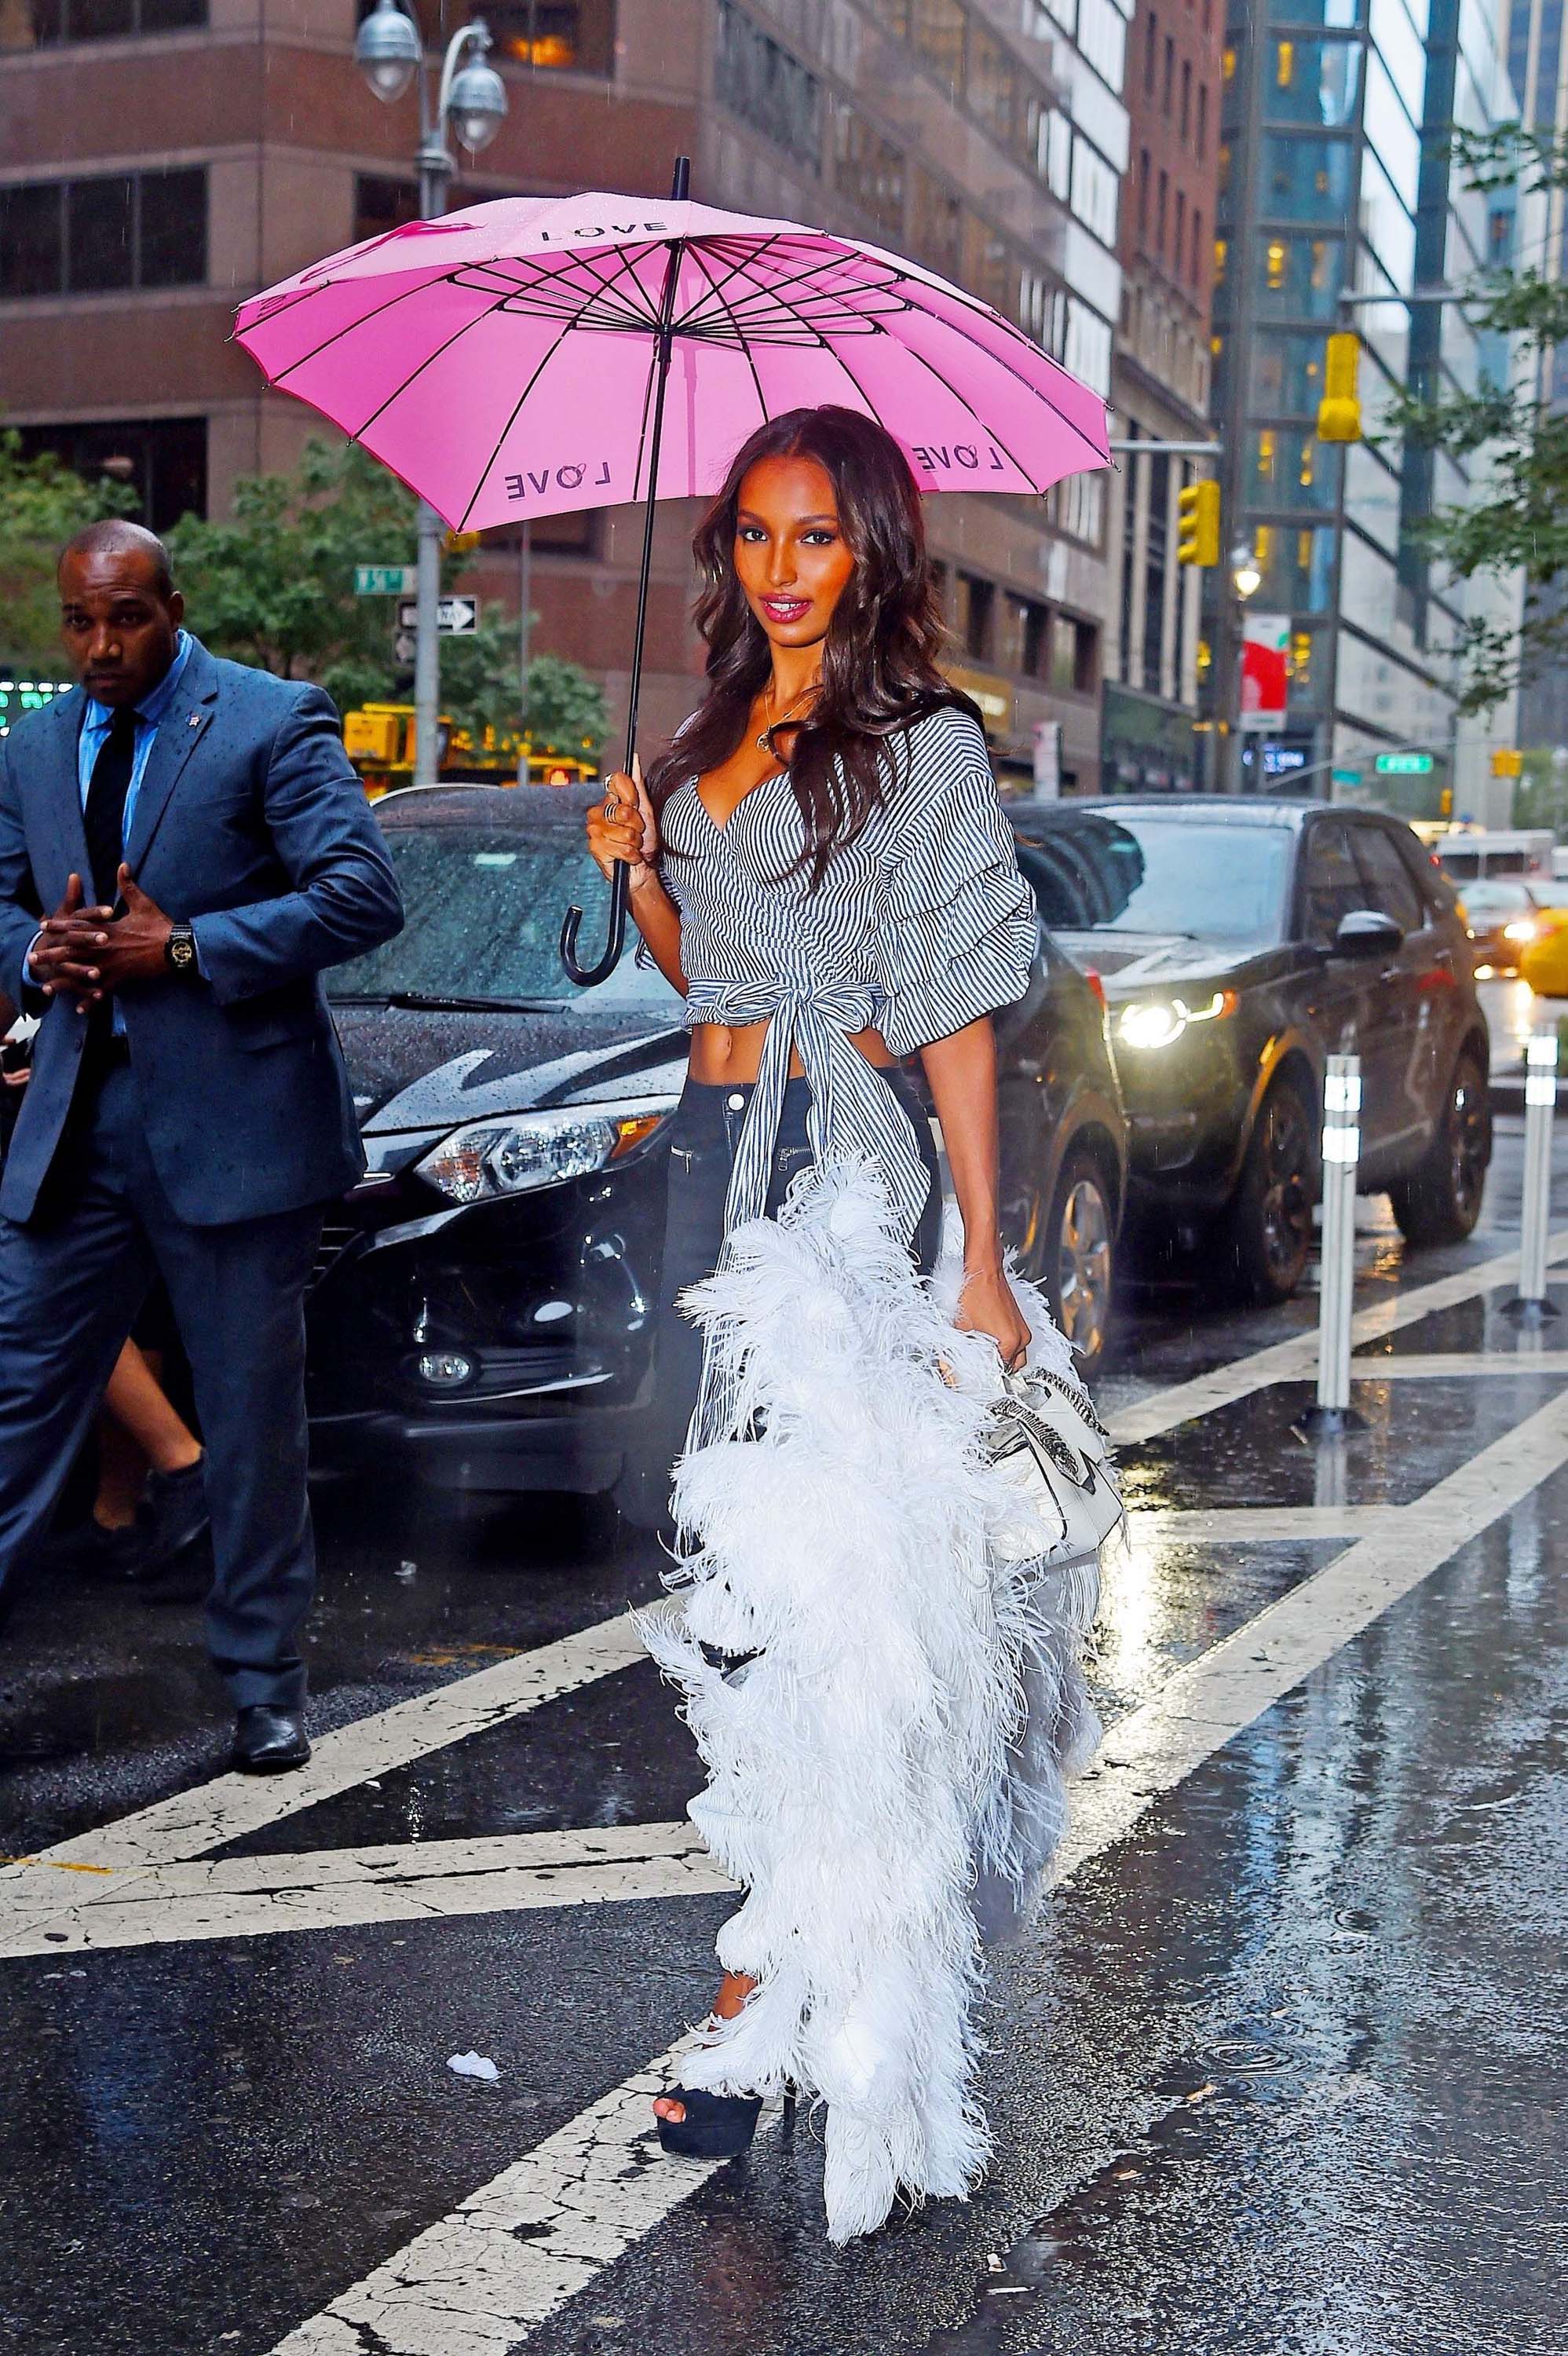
(1517, 522)
(273, 585)
(42, 502)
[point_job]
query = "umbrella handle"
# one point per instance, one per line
(586, 975)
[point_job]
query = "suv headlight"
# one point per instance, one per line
(1160, 1022)
(490, 1160)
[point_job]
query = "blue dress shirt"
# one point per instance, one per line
(97, 721)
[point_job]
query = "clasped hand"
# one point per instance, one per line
(82, 953)
(622, 826)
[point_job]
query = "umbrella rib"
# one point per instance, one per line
(338, 333)
(428, 360)
(480, 478)
(701, 262)
(643, 429)
(753, 254)
(1016, 374)
(932, 369)
(775, 292)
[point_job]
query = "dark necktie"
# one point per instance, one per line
(104, 815)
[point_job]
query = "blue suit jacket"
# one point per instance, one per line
(251, 824)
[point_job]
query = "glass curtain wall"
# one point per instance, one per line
(1329, 190)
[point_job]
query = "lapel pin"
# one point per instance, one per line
(194, 720)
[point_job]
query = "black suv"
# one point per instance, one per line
(1239, 943)
(482, 1301)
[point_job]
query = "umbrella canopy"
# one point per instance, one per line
(503, 360)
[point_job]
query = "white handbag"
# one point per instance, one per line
(1048, 1446)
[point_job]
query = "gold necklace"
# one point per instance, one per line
(764, 742)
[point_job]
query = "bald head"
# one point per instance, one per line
(113, 536)
(119, 611)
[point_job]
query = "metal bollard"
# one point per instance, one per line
(1533, 1304)
(1341, 1151)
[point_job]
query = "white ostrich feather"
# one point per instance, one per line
(886, 1777)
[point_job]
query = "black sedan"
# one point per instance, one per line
(482, 1304)
(1238, 944)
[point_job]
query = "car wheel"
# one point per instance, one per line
(1270, 1212)
(1441, 1204)
(1076, 1257)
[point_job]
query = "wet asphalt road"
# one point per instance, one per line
(1282, 2070)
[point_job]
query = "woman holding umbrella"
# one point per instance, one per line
(880, 1651)
(819, 864)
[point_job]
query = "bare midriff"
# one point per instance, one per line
(725, 1054)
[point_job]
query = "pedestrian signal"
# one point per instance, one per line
(1198, 524)
(1339, 411)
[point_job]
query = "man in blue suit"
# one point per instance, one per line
(204, 849)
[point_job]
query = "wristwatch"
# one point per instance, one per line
(179, 950)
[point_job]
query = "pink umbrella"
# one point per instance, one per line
(536, 355)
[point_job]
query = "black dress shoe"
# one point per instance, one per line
(177, 1513)
(115, 1557)
(268, 1739)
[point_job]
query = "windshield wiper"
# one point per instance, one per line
(442, 1002)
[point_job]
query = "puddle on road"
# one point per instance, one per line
(1057, 2258)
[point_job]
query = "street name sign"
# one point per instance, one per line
(1403, 764)
(384, 580)
(456, 618)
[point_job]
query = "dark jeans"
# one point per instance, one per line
(704, 1134)
(70, 1286)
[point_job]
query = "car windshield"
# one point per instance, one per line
(1138, 874)
(483, 907)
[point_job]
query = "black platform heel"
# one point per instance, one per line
(716, 2126)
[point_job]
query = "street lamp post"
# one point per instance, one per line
(1242, 579)
(471, 100)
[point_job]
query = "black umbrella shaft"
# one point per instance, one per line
(620, 873)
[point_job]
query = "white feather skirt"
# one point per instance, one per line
(886, 1778)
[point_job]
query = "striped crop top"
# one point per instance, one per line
(919, 926)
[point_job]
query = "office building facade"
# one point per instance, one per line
(161, 159)
(1337, 181)
(1159, 374)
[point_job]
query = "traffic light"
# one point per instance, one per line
(1506, 762)
(1339, 411)
(1198, 524)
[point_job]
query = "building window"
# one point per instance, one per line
(869, 171)
(380, 206)
(162, 459)
(556, 36)
(1179, 242)
(1033, 638)
(1168, 79)
(767, 88)
(46, 24)
(1150, 50)
(113, 231)
(937, 225)
(991, 85)
(1186, 101)
(1094, 192)
(1203, 119)
(936, 30)
(1160, 213)
(1074, 656)
(977, 613)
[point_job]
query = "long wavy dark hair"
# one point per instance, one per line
(880, 657)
